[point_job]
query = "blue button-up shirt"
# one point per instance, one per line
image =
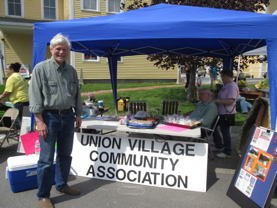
(205, 112)
(54, 87)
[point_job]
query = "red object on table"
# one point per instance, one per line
(174, 127)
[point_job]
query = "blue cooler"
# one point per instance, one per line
(22, 172)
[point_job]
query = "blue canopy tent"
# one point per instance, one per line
(167, 29)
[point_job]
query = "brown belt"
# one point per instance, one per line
(59, 111)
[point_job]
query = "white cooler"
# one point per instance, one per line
(21, 171)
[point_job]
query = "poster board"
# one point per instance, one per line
(170, 164)
(254, 181)
(24, 71)
(25, 127)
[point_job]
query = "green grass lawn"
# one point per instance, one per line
(2, 88)
(153, 96)
(99, 87)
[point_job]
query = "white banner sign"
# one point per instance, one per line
(169, 164)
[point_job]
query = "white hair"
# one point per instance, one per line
(207, 90)
(59, 38)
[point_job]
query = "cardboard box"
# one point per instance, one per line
(21, 172)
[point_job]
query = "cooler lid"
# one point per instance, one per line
(23, 162)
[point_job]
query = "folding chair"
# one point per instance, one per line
(137, 105)
(169, 107)
(207, 135)
(8, 125)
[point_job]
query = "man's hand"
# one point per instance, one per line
(41, 126)
(42, 129)
(78, 121)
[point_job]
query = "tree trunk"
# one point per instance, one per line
(191, 96)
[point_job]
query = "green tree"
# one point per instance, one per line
(194, 62)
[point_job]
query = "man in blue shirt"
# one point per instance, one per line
(56, 103)
(205, 111)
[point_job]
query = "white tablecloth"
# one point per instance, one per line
(96, 123)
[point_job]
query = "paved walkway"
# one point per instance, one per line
(109, 194)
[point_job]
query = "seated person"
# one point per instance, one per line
(205, 111)
(244, 105)
(263, 84)
(242, 83)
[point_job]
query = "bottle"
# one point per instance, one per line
(37, 147)
(100, 104)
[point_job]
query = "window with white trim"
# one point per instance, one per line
(92, 58)
(14, 8)
(49, 9)
(90, 5)
(113, 6)
(119, 59)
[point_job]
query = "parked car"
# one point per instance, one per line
(247, 75)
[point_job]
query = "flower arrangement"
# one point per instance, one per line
(91, 97)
